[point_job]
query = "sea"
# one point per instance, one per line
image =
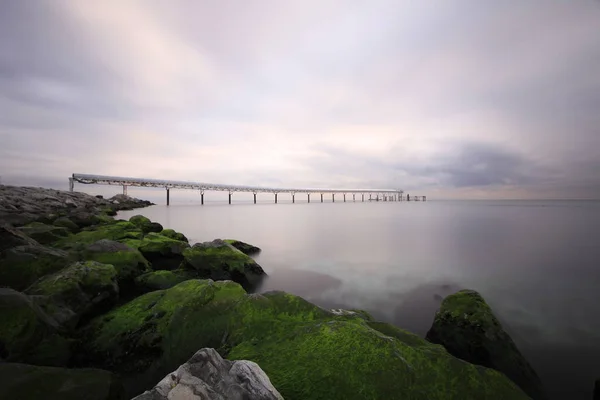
(537, 263)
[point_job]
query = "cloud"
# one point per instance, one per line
(486, 100)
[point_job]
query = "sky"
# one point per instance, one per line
(447, 98)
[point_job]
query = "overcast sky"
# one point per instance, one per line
(448, 98)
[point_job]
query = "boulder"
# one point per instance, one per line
(117, 231)
(85, 218)
(208, 376)
(82, 290)
(170, 233)
(22, 381)
(66, 223)
(245, 248)
(12, 237)
(466, 326)
(597, 390)
(306, 351)
(44, 234)
(27, 334)
(128, 262)
(218, 260)
(161, 251)
(145, 224)
(22, 265)
(162, 279)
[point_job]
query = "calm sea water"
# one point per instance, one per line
(537, 263)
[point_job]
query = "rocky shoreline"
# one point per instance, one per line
(99, 308)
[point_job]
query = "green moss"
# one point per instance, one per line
(159, 280)
(157, 243)
(65, 222)
(145, 224)
(23, 265)
(44, 234)
(117, 231)
(170, 233)
(245, 248)
(129, 263)
(21, 381)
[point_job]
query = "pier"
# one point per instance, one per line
(374, 194)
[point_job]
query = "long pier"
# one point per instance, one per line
(374, 194)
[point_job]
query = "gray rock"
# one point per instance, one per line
(597, 390)
(208, 376)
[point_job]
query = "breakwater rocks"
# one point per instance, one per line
(110, 308)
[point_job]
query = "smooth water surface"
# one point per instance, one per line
(537, 263)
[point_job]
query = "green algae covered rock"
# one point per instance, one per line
(170, 233)
(117, 231)
(219, 260)
(22, 381)
(27, 334)
(81, 290)
(245, 248)
(22, 265)
(162, 279)
(466, 326)
(145, 224)
(161, 251)
(44, 234)
(128, 262)
(306, 351)
(65, 222)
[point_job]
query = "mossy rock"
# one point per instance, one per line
(306, 351)
(21, 266)
(218, 260)
(117, 231)
(170, 233)
(161, 251)
(11, 237)
(22, 381)
(86, 219)
(82, 290)
(245, 248)
(128, 261)
(44, 234)
(162, 279)
(145, 224)
(466, 326)
(27, 334)
(65, 222)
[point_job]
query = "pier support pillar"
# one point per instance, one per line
(229, 197)
(321, 197)
(353, 197)
(254, 198)
(124, 190)
(293, 198)
(344, 197)
(408, 197)
(333, 197)
(370, 197)
(202, 198)
(363, 198)
(168, 196)
(71, 184)
(424, 198)
(308, 197)
(275, 198)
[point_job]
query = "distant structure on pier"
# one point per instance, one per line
(374, 194)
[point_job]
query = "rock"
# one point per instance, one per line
(27, 334)
(85, 219)
(99, 196)
(11, 237)
(597, 390)
(159, 280)
(128, 262)
(245, 248)
(307, 352)
(23, 382)
(70, 203)
(219, 260)
(161, 251)
(84, 289)
(117, 231)
(207, 375)
(170, 233)
(145, 224)
(66, 223)
(44, 234)
(466, 326)
(22, 265)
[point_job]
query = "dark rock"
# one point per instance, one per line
(27, 334)
(161, 251)
(29, 382)
(466, 326)
(145, 224)
(99, 196)
(170, 233)
(207, 373)
(22, 265)
(66, 223)
(597, 390)
(11, 237)
(245, 248)
(82, 290)
(128, 262)
(162, 279)
(218, 260)
(44, 234)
